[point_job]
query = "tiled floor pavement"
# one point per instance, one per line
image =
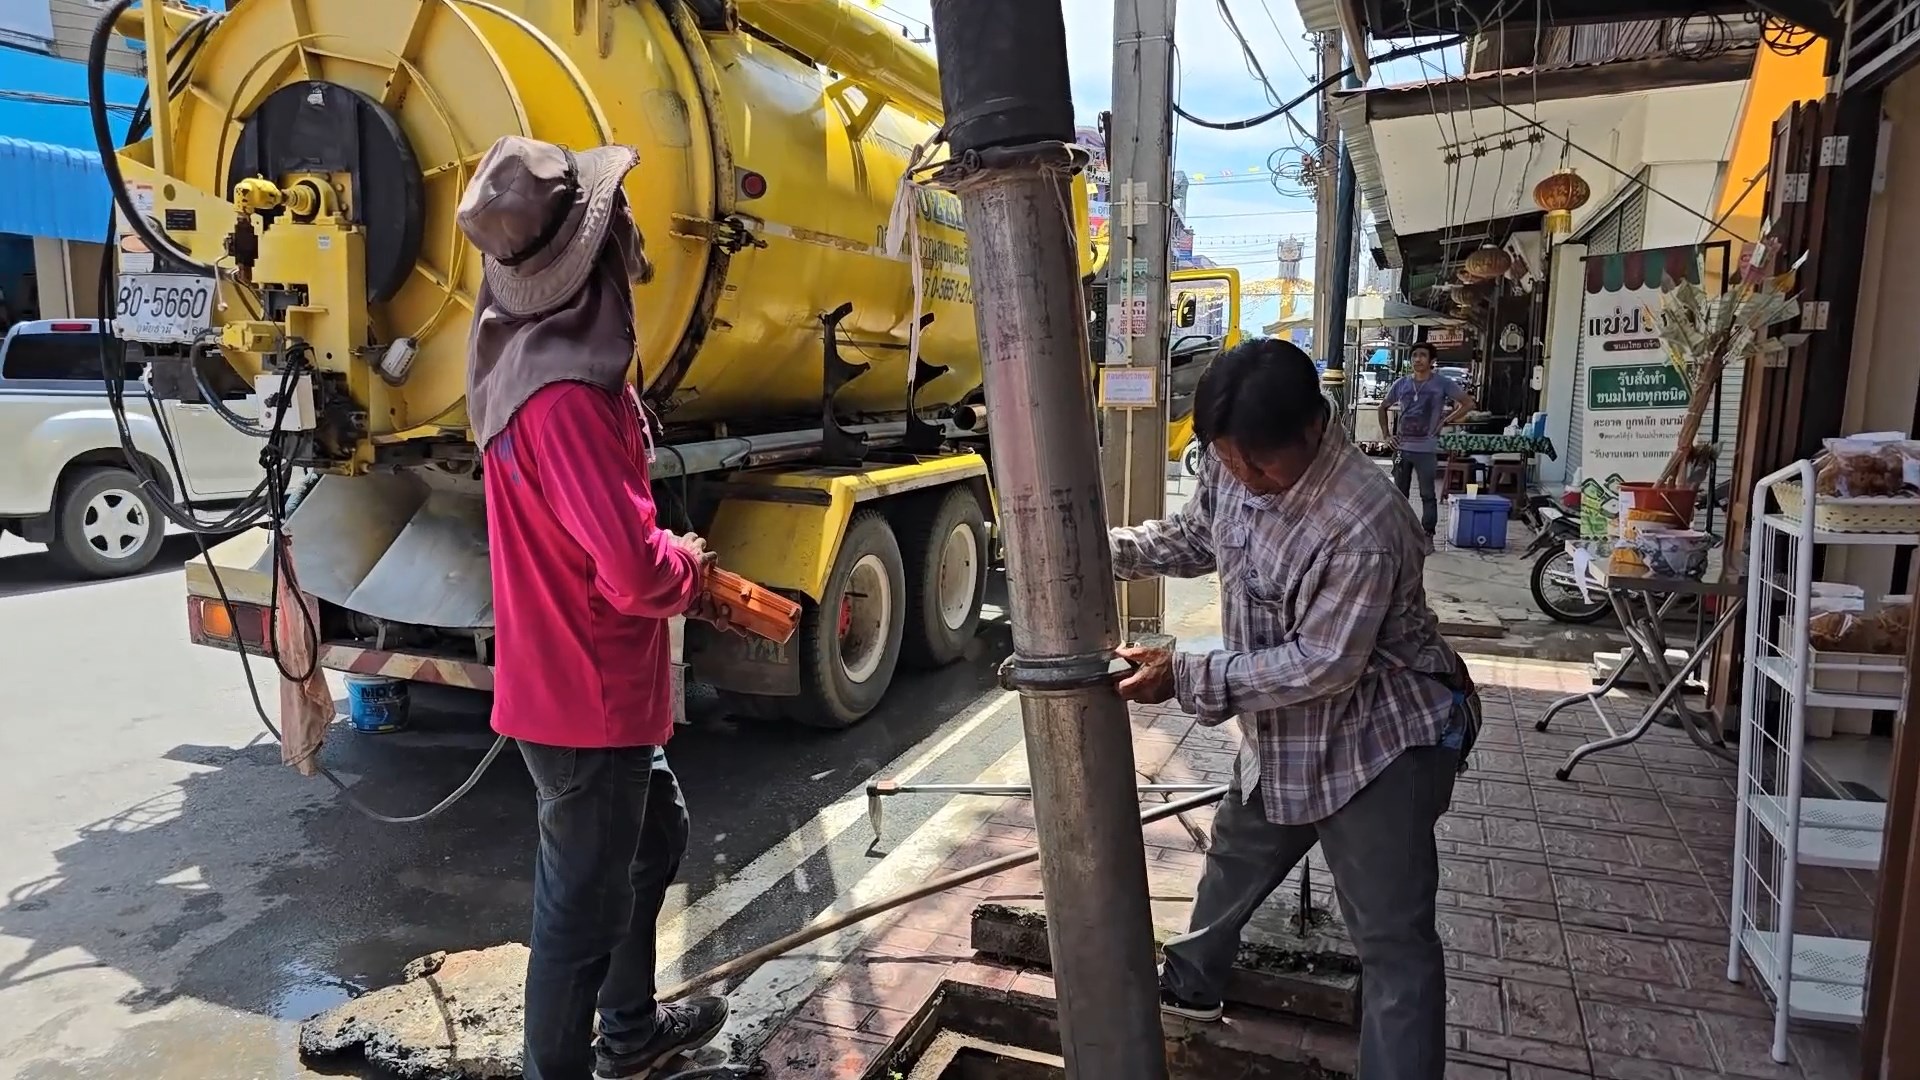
(1585, 921)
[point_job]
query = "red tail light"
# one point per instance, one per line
(73, 328)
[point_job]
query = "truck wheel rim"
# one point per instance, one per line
(866, 611)
(115, 524)
(958, 576)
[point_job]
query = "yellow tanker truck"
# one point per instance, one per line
(288, 234)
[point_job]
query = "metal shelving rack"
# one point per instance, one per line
(1777, 830)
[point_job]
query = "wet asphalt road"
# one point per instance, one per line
(174, 898)
(173, 901)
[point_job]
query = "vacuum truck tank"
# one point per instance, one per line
(297, 193)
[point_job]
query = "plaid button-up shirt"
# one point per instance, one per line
(1327, 629)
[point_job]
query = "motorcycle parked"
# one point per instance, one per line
(1553, 583)
(1556, 521)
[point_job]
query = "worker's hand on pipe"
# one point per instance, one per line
(1151, 681)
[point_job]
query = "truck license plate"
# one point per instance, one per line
(164, 307)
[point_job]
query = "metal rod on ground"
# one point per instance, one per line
(881, 789)
(1004, 87)
(743, 964)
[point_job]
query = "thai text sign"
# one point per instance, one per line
(1634, 400)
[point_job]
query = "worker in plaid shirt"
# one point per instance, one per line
(1353, 712)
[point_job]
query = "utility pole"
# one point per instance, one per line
(1132, 385)
(1324, 198)
(1346, 230)
(1003, 73)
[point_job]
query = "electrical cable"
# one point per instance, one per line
(270, 499)
(1289, 106)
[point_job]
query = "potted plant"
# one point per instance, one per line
(1704, 334)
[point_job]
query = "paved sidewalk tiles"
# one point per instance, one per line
(1585, 921)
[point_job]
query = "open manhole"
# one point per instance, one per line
(953, 1056)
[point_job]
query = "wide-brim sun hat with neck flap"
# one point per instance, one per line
(539, 213)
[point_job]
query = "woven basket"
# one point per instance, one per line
(1859, 514)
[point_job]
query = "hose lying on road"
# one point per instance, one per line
(744, 964)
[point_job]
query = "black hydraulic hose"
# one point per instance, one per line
(261, 503)
(1255, 121)
(207, 394)
(157, 241)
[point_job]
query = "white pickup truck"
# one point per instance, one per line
(65, 481)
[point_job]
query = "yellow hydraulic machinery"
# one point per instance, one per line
(807, 340)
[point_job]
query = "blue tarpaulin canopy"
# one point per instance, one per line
(52, 180)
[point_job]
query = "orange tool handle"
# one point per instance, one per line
(753, 608)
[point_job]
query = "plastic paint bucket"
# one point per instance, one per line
(376, 704)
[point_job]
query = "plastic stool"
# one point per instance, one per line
(1508, 478)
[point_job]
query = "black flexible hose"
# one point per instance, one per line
(157, 241)
(270, 499)
(1255, 121)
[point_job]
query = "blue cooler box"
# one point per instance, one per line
(1480, 521)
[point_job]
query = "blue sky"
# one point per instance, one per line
(1238, 215)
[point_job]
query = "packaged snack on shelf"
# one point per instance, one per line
(1838, 596)
(1909, 451)
(1863, 466)
(1886, 630)
(1836, 631)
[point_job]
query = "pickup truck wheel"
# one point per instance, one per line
(106, 525)
(945, 542)
(850, 641)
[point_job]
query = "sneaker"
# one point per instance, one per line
(682, 1028)
(1204, 1012)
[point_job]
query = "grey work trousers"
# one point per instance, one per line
(1421, 466)
(1386, 873)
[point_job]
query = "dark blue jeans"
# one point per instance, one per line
(613, 827)
(1410, 466)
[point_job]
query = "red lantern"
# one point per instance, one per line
(1560, 195)
(1489, 263)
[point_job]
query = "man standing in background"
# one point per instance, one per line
(1428, 403)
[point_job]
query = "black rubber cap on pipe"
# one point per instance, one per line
(1003, 73)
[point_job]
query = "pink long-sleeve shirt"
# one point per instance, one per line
(584, 578)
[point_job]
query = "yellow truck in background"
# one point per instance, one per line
(288, 236)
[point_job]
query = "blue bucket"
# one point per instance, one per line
(376, 704)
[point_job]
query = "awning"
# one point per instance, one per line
(50, 176)
(1375, 311)
(52, 191)
(1450, 152)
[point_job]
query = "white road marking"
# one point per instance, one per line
(768, 995)
(691, 925)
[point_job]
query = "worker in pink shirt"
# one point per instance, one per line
(584, 583)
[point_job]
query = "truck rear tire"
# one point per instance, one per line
(105, 524)
(850, 641)
(945, 543)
